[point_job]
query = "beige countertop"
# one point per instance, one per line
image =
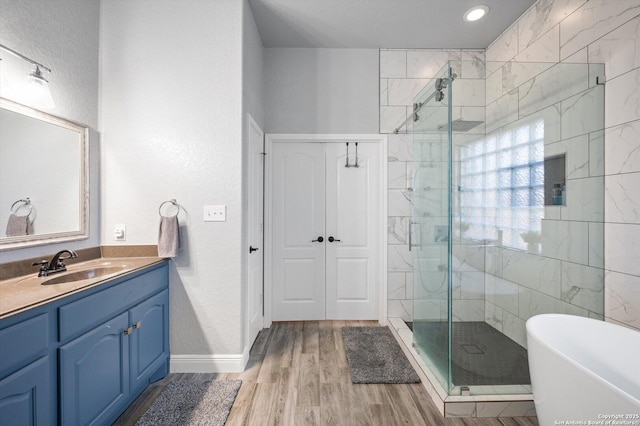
(26, 292)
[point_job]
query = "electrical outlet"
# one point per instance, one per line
(120, 232)
(215, 213)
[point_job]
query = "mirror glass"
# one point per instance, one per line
(43, 177)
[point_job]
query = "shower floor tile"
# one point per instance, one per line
(481, 355)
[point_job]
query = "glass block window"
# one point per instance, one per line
(502, 185)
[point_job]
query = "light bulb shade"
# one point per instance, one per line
(36, 92)
(475, 13)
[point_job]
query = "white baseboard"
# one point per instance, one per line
(224, 363)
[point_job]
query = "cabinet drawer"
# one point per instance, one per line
(23, 342)
(86, 313)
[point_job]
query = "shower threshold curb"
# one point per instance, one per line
(511, 405)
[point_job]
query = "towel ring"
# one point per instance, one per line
(25, 202)
(171, 201)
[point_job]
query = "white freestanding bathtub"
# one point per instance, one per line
(583, 370)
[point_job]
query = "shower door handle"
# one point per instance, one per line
(410, 235)
(411, 223)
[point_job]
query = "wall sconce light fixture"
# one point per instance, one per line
(36, 90)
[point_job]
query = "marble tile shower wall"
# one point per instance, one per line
(569, 276)
(403, 73)
(594, 31)
(603, 31)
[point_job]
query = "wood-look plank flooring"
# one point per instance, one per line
(298, 375)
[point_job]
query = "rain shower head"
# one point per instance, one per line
(460, 125)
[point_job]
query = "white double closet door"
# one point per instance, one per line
(326, 223)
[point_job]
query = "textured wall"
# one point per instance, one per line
(63, 35)
(321, 90)
(599, 31)
(252, 68)
(171, 120)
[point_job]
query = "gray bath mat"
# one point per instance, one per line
(375, 356)
(192, 403)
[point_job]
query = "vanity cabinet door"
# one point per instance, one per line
(94, 373)
(150, 338)
(25, 397)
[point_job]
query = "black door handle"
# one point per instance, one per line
(319, 240)
(331, 239)
(252, 249)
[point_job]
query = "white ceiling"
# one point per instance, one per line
(382, 23)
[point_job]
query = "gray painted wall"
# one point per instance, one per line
(321, 90)
(171, 118)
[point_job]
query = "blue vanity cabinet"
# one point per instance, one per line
(103, 369)
(25, 398)
(83, 359)
(94, 379)
(27, 373)
(149, 343)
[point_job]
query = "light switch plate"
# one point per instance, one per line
(215, 213)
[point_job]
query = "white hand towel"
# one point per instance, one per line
(168, 236)
(18, 225)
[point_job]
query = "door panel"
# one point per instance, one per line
(296, 271)
(347, 201)
(315, 195)
(256, 218)
(302, 199)
(298, 218)
(352, 276)
(353, 217)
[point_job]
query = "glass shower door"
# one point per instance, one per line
(430, 228)
(508, 205)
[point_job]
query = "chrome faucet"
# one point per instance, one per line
(57, 263)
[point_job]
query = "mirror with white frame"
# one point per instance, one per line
(44, 188)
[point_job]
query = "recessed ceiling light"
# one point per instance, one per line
(475, 13)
